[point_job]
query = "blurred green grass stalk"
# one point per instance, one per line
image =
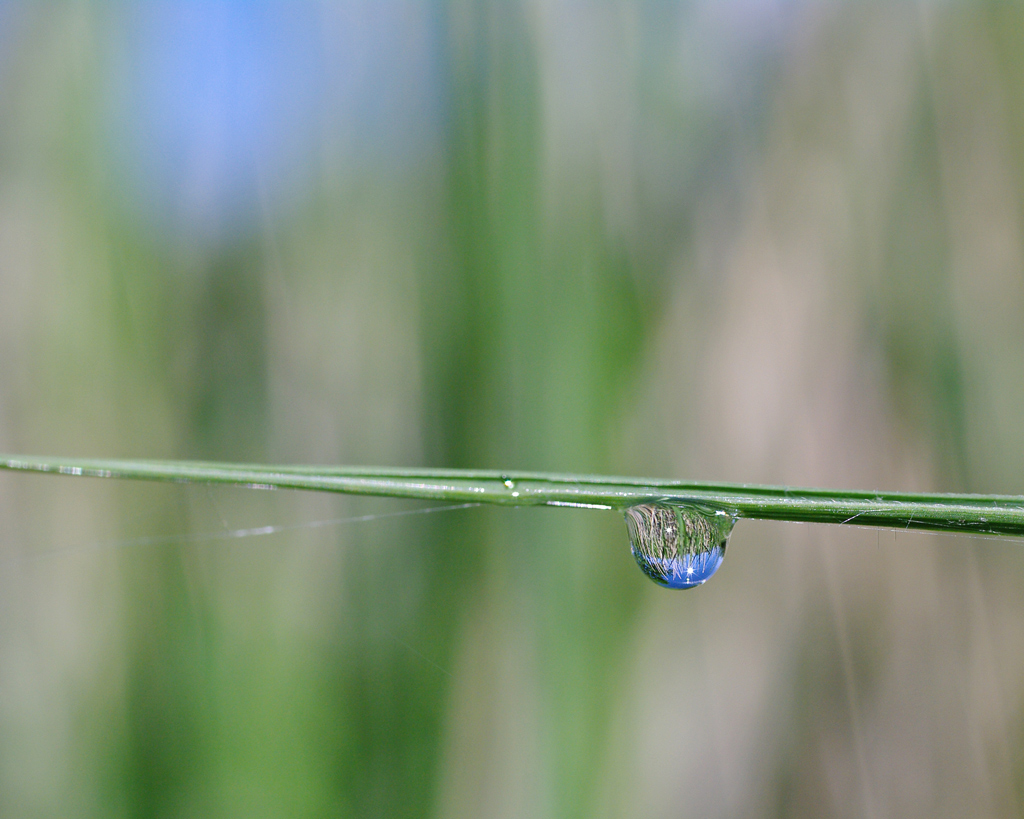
(982, 514)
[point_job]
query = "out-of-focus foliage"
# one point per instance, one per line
(751, 241)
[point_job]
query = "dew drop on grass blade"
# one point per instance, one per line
(678, 546)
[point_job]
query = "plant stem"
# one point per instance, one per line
(985, 514)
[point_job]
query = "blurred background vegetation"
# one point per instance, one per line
(752, 241)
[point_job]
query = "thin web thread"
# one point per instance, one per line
(903, 530)
(233, 534)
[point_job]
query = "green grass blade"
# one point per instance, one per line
(985, 514)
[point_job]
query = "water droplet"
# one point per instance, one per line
(678, 545)
(509, 483)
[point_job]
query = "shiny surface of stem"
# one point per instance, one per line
(985, 514)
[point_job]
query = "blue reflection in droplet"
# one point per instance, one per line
(678, 546)
(681, 572)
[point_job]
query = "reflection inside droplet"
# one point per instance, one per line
(677, 545)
